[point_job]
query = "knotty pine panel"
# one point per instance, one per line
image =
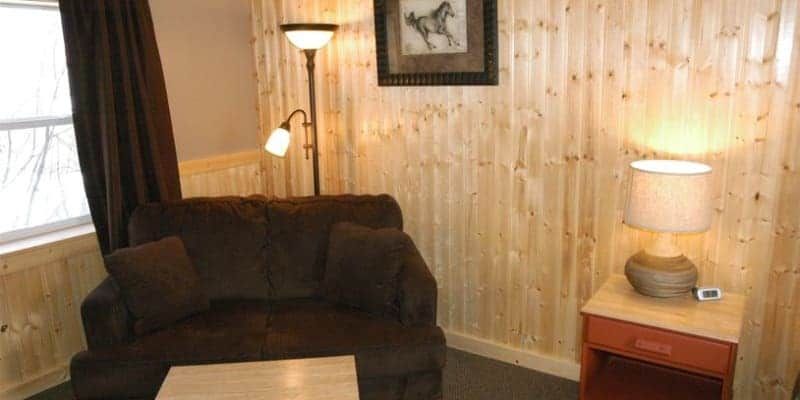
(515, 193)
(237, 174)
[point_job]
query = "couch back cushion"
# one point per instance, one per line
(298, 237)
(225, 237)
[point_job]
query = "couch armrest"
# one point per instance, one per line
(417, 290)
(796, 391)
(105, 317)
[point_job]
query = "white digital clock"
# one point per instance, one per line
(707, 293)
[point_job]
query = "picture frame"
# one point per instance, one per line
(436, 42)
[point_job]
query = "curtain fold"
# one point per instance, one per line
(120, 111)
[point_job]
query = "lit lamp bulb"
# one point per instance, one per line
(278, 141)
(309, 36)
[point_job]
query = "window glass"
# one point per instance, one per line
(41, 187)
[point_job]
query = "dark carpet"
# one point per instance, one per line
(466, 377)
(471, 377)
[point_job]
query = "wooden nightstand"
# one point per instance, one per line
(637, 347)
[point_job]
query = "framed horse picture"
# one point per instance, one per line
(436, 42)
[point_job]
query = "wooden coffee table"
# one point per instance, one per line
(302, 379)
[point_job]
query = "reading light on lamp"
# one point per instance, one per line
(279, 139)
(309, 38)
(278, 142)
(666, 197)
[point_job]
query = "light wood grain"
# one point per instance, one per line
(329, 378)
(237, 174)
(40, 326)
(220, 162)
(528, 223)
(719, 319)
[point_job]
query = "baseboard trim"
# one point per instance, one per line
(527, 359)
(48, 379)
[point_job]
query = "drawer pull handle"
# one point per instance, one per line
(653, 347)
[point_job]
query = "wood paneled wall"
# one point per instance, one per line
(237, 174)
(42, 287)
(515, 193)
(41, 290)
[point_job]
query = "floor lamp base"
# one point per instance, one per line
(660, 276)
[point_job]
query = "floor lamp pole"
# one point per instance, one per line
(313, 106)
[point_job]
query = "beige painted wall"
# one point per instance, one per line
(208, 65)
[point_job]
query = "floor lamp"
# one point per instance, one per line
(309, 38)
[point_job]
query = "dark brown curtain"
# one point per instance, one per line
(120, 111)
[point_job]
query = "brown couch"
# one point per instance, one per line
(261, 262)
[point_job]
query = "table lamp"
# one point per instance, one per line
(308, 37)
(667, 197)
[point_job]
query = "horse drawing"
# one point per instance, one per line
(435, 22)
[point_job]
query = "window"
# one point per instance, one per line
(41, 188)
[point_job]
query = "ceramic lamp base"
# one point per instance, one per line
(660, 276)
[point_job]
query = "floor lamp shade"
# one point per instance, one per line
(669, 196)
(309, 36)
(666, 197)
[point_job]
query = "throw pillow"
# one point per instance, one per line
(363, 267)
(158, 283)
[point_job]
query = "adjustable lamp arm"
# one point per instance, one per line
(306, 125)
(298, 111)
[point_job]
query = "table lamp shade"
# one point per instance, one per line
(669, 196)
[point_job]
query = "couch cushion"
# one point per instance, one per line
(158, 283)
(94, 379)
(225, 237)
(382, 347)
(236, 331)
(230, 331)
(298, 238)
(363, 268)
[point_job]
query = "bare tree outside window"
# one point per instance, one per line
(40, 179)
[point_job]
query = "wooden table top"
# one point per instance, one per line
(326, 378)
(717, 319)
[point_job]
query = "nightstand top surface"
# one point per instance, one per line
(716, 319)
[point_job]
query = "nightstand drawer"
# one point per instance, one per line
(656, 344)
